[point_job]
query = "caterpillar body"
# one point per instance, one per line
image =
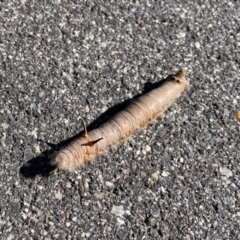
(121, 126)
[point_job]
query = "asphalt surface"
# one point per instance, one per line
(61, 61)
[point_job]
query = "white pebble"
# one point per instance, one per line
(87, 108)
(117, 210)
(91, 36)
(10, 237)
(109, 184)
(181, 160)
(143, 152)
(155, 175)
(197, 45)
(148, 148)
(74, 219)
(224, 171)
(120, 221)
(165, 173)
(37, 149)
(86, 185)
(68, 224)
(182, 35)
(58, 195)
(4, 126)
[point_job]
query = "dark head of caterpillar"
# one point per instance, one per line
(64, 161)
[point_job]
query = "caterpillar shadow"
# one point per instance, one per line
(40, 165)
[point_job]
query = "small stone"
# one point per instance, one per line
(120, 221)
(74, 219)
(100, 177)
(67, 76)
(143, 152)
(37, 149)
(91, 36)
(87, 109)
(34, 220)
(155, 175)
(41, 94)
(181, 160)
(58, 195)
(182, 35)
(147, 148)
(117, 210)
(224, 171)
(151, 221)
(4, 126)
(86, 185)
(109, 184)
(165, 173)
(68, 224)
(197, 45)
(83, 234)
(10, 237)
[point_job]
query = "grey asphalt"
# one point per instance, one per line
(61, 61)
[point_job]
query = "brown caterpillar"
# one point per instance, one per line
(135, 116)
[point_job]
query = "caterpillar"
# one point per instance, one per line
(121, 126)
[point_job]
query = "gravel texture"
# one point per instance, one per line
(61, 61)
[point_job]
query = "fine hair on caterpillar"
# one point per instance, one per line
(138, 114)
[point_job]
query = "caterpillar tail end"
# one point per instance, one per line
(180, 77)
(181, 74)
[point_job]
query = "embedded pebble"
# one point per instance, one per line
(86, 185)
(197, 45)
(37, 149)
(224, 171)
(58, 195)
(74, 219)
(165, 174)
(147, 148)
(109, 184)
(83, 234)
(120, 221)
(155, 175)
(68, 224)
(5, 126)
(41, 94)
(10, 237)
(87, 109)
(118, 210)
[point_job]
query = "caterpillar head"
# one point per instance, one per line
(62, 161)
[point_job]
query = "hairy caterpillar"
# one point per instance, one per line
(135, 116)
